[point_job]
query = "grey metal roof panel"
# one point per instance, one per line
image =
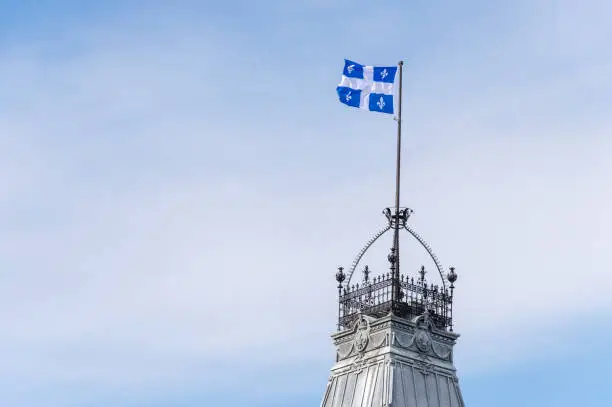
(410, 388)
(393, 363)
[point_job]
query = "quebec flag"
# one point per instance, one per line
(367, 87)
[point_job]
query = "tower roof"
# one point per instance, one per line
(395, 341)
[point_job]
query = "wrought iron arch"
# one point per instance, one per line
(382, 232)
(430, 251)
(362, 252)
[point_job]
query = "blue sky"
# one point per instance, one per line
(178, 184)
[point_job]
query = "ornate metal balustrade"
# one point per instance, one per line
(375, 297)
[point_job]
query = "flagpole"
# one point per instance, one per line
(397, 184)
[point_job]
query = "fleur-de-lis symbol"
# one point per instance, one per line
(381, 103)
(350, 68)
(384, 73)
(348, 96)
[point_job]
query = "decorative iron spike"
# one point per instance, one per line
(366, 274)
(422, 273)
(429, 250)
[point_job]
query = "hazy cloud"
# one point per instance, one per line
(164, 213)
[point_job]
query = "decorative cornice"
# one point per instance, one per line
(418, 336)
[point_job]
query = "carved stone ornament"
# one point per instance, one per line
(360, 362)
(424, 367)
(422, 337)
(362, 334)
(422, 340)
(441, 350)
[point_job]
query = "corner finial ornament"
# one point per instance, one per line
(452, 276)
(340, 276)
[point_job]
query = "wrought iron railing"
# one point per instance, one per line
(412, 297)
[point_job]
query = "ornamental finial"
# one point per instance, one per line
(452, 276)
(366, 274)
(340, 276)
(422, 273)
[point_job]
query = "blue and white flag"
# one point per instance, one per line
(367, 87)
